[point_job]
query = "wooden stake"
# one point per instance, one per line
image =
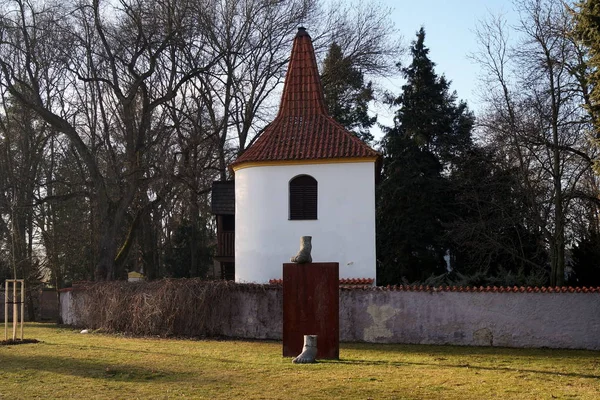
(22, 305)
(15, 302)
(6, 310)
(15, 310)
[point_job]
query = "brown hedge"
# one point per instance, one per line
(180, 307)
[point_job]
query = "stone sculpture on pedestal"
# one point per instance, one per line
(303, 255)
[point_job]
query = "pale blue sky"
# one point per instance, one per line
(449, 27)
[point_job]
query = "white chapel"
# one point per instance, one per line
(304, 176)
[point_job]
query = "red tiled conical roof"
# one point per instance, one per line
(302, 129)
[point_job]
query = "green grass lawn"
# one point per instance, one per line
(67, 364)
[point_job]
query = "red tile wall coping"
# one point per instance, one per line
(250, 287)
(367, 284)
(488, 289)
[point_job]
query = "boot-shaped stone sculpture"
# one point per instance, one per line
(303, 255)
(309, 351)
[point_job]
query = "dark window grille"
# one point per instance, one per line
(303, 198)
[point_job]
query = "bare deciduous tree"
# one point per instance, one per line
(102, 74)
(534, 117)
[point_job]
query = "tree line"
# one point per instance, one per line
(510, 197)
(115, 118)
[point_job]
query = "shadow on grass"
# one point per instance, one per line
(87, 369)
(474, 367)
(137, 351)
(11, 342)
(47, 325)
(437, 350)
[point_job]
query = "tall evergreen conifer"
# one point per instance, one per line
(587, 29)
(414, 199)
(347, 96)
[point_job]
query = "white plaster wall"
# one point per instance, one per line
(66, 308)
(344, 232)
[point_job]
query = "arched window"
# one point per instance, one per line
(303, 197)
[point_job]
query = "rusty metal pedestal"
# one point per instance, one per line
(311, 307)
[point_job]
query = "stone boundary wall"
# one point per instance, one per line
(507, 317)
(474, 318)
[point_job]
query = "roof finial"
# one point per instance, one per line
(301, 31)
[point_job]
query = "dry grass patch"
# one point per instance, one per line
(67, 364)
